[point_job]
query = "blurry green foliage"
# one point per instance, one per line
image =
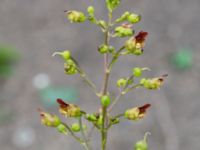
(8, 58)
(182, 59)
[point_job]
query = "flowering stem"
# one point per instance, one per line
(105, 87)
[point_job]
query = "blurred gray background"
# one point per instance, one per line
(37, 28)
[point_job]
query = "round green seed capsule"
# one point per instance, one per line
(141, 145)
(121, 82)
(90, 10)
(62, 129)
(75, 127)
(137, 72)
(66, 55)
(105, 100)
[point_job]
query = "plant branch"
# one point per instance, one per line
(85, 78)
(86, 144)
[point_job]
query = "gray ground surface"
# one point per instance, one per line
(38, 27)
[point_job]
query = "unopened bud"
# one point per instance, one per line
(134, 18)
(62, 128)
(124, 30)
(123, 17)
(75, 16)
(121, 82)
(65, 54)
(105, 100)
(103, 49)
(70, 67)
(75, 127)
(142, 144)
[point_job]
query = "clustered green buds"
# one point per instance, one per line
(105, 100)
(91, 11)
(136, 113)
(49, 120)
(75, 16)
(153, 84)
(69, 110)
(124, 30)
(70, 67)
(106, 49)
(142, 144)
(112, 4)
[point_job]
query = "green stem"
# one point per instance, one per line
(105, 88)
(85, 143)
(72, 133)
(85, 78)
(115, 57)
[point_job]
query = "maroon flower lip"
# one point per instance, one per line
(144, 108)
(140, 38)
(62, 103)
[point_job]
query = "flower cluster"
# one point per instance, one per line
(103, 119)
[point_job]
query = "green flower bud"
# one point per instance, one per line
(66, 55)
(102, 24)
(138, 52)
(105, 100)
(91, 117)
(75, 127)
(121, 82)
(112, 4)
(103, 49)
(70, 67)
(123, 17)
(137, 72)
(114, 120)
(142, 144)
(111, 49)
(100, 120)
(90, 10)
(122, 31)
(134, 18)
(62, 128)
(75, 16)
